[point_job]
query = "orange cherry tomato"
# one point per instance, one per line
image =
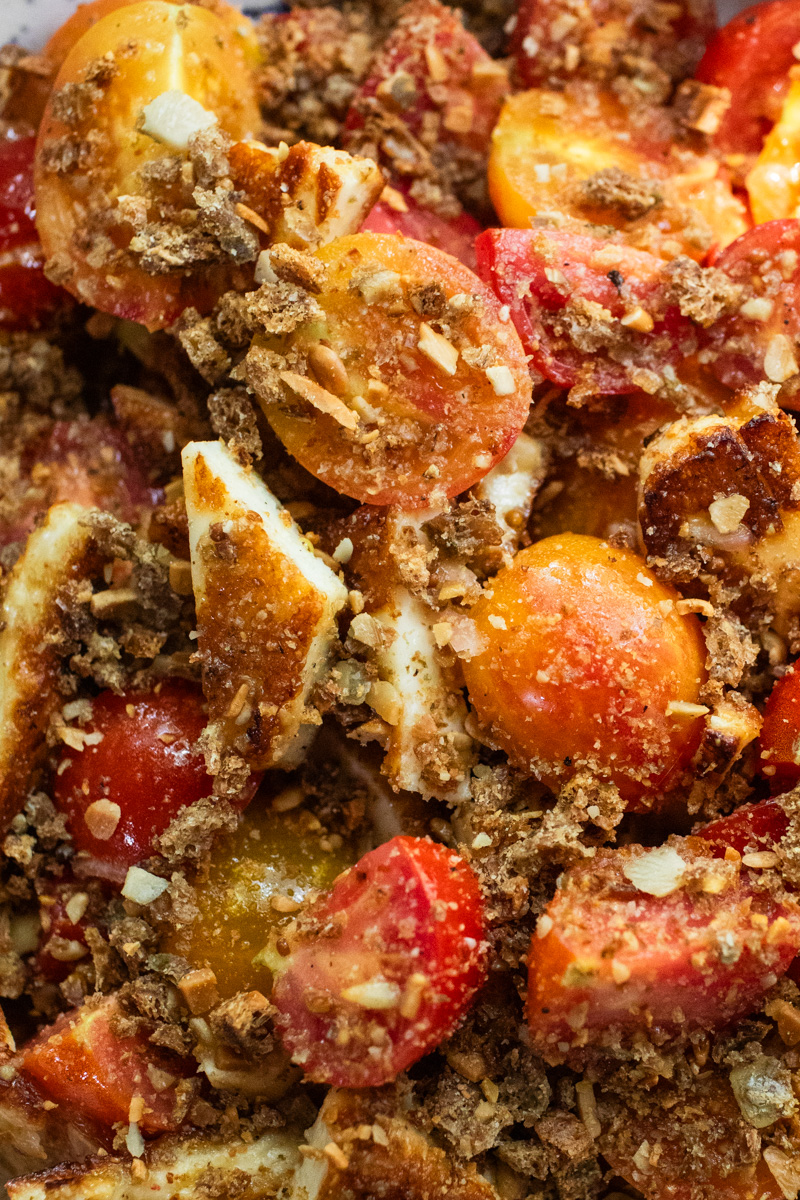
(780, 734)
(635, 940)
(587, 664)
(82, 1063)
(547, 146)
(413, 417)
(399, 960)
(90, 152)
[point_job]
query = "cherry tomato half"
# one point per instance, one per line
(83, 1064)
(647, 940)
(455, 236)
(751, 56)
(383, 965)
(122, 790)
(587, 664)
(403, 414)
(780, 734)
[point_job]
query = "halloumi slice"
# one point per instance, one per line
(511, 486)
(59, 551)
(266, 610)
(174, 1168)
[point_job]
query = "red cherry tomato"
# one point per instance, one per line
(145, 763)
(434, 75)
(384, 964)
(610, 957)
(82, 1063)
(86, 461)
(751, 56)
(550, 280)
(455, 236)
(780, 734)
(748, 828)
(766, 262)
(27, 299)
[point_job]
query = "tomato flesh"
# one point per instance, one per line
(780, 734)
(749, 828)
(451, 88)
(27, 299)
(547, 278)
(455, 236)
(584, 658)
(616, 958)
(751, 56)
(424, 423)
(399, 959)
(766, 263)
(83, 1064)
(145, 762)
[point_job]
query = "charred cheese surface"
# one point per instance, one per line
(58, 552)
(176, 1168)
(266, 609)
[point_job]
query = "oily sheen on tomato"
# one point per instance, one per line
(751, 56)
(587, 664)
(383, 966)
(126, 785)
(399, 413)
(665, 940)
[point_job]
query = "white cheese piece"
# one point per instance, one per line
(512, 484)
(428, 749)
(656, 872)
(173, 119)
(306, 215)
(175, 1168)
(30, 623)
(266, 610)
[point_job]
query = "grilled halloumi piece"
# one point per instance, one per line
(511, 486)
(266, 610)
(362, 1147)
(58, 552)
(307, 195)
(727, 489)
(174, 1168)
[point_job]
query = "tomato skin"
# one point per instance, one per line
(628, 960)
(583, 654)
(455, 236)
(751, 56)
(749, 827)
(780, 733)
(462, 105)
(80, 1062)
(513, 262)
(427, 432)
(158, 778)
(27, 299)
(409, 909)
(737, 345)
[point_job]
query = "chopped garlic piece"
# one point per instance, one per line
(502, 380)
(727, 511)
(142, 886)
(437, 349)
(376, 993)
(173, 119)
(657, 872)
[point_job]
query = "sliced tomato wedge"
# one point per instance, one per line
(80, 1061)
(588, 313)
(751, 56)
(127, 784)
(780, 734)
(383, 965)
(660, 940)
(455, 236)
(749, 828)
(381, 404)
(760, 341)
(436, 78)
(27, 299)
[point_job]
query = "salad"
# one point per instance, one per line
(400, 603)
